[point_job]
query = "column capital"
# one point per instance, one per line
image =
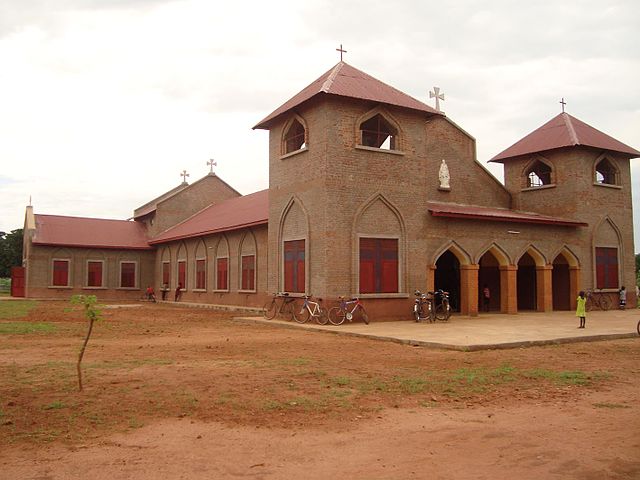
(508, 268)
(471, 266)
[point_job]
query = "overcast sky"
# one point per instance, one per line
(104, 102)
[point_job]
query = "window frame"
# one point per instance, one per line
(298, 276)
(181, 279)
(135, 275)
(226, 276)
(614, 171)
(200, 275)
(605, 272)
(87, 276)
(53, 276)
(379, 265)
(166, 279)
(250, 284)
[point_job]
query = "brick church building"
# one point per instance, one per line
(372, 193)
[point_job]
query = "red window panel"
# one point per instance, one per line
(60, 273)
(222, 277)
(127, 274)
(166, 273)
(94, 274)
(248, 272)
(378, 265)
(182, 273)
(606, 267)
(294, 274)
(201, 274)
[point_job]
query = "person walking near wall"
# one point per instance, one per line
(623, 298)
(178, 292)
(581, 310)
(486, 297)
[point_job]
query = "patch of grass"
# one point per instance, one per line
(16, 309)
(412, 385)
(23, 328)
(610, 405)
(55, 405)
(565, 377)
(342, 381)
(296, 362)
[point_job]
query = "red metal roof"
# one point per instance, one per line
(564, 131)
(89, 232)
(347, 81)
(241, 212)
(475, 212)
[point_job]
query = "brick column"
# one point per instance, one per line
(469, 289)
(544, 291)
(508, 289)
(431, 278)
(574, 286)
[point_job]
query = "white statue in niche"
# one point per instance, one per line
(443, 175)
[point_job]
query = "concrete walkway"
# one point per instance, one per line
(487, 331)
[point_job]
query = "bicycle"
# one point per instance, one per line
(597, 300)
(337, 315)
(280, 303)
(308, 309)
(422, 307)
(440, 306)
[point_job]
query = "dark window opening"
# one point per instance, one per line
(127, 274)
(201, 274)
(248, 272)
(294, 259)
(94, 274)
(538, 175)
(222, 275)
(378, 265)
(606, 267)
(606, 173)
(294, 138)
(182, 274)
(60, 273)
(378, 133)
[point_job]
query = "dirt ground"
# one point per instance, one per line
(187, 393)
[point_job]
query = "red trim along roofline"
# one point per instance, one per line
(93, 247)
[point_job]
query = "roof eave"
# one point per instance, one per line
(80, 245)
(208, 232)
(472, 216)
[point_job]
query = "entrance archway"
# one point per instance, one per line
(489, 277)
(447, 277)
(526, 281)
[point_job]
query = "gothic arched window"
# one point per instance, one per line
(538, 175)
(294, 137)
(377, 132)
(606, 173)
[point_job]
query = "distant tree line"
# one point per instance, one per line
(10, 251)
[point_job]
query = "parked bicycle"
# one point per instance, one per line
(440, 305)
(281, 303)
(597, 300)
(345, 311)
(307, 309)
(422, 307)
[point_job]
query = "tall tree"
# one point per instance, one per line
(10, 251)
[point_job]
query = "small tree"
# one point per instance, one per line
(92, 314)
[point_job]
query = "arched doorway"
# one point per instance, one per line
(447, 277)
(526, 281)
(489, 277)
(560, 281)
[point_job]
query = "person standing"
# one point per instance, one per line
(486, 297)
(623, 298)
(581, 310)
(165, 290)
(178, 292)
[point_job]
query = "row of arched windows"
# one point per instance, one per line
(540, 173)
(375, 130)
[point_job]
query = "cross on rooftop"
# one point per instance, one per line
(341, 51)
(184, 176)
(563, 103)
(212, 163)
(438, 96)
